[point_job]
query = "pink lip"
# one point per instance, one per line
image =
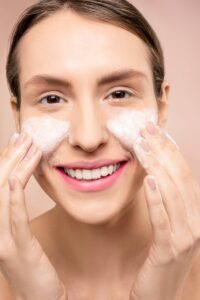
(92, 185)
(89, 164)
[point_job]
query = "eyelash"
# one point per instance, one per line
(130, 94)
(56, 96)
(51, 95)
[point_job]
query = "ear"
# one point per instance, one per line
(163, 104)
(16, 112)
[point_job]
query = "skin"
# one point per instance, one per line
(86, 229)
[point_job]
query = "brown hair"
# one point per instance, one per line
(118, 12)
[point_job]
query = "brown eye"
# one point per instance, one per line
(120, 94)
(51, 99)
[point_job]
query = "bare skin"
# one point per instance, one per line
(41, 228)
(97, 243)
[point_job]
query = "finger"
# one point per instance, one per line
(18, 213)
(27, 165)
(158, 216)
(167, 150)
(14, 153)
(5, 226)
(164, 148)
(177, 168)
(171, 197)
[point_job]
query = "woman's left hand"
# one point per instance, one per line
(173, 201)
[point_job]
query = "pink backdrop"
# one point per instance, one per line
(177, 24)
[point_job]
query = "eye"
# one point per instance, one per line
(120, 94)
(51, 99)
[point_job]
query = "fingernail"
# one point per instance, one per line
(21, 139)
(14, 138)
(151, 128)
(12, 182)
(151, 182)
(31, 153)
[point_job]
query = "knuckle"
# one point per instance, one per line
(184, 247)
(7, 249)
(160, 219)
(19, 154)
(187, 246)
(134, 295)
(196, 235)
(162, 223)
(161, 255)
(20, 219)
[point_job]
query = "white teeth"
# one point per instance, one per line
(110, 170)
(78, 174)
(96, 174)
(104, 171)
(92, 174)
(87, 174)
(71, 172)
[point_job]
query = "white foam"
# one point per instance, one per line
(47, 133)
(127, 125)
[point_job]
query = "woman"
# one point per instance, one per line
(131, 232)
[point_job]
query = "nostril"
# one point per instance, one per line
(88, 143)
(88, 129)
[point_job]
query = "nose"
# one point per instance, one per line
(88, 129)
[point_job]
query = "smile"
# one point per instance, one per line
(92, 174)
(91, 179)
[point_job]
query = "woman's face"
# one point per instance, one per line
(81, 55)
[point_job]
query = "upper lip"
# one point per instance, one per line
(91, 164)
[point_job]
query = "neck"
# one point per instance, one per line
(115, 249)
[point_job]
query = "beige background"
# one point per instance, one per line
(178, 26)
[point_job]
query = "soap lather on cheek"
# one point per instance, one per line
(47, 133)
(126, 127)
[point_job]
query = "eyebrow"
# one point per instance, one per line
(107, 79)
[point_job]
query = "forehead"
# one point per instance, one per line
(67, 43)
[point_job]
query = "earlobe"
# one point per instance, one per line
(163, 104)
(15, 111)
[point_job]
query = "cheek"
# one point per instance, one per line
(47, 133)
(127, 125)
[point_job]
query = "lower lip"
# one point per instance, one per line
(92, 185)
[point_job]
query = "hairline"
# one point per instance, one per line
(47, 14)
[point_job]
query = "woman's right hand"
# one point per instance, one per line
(22, 259)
